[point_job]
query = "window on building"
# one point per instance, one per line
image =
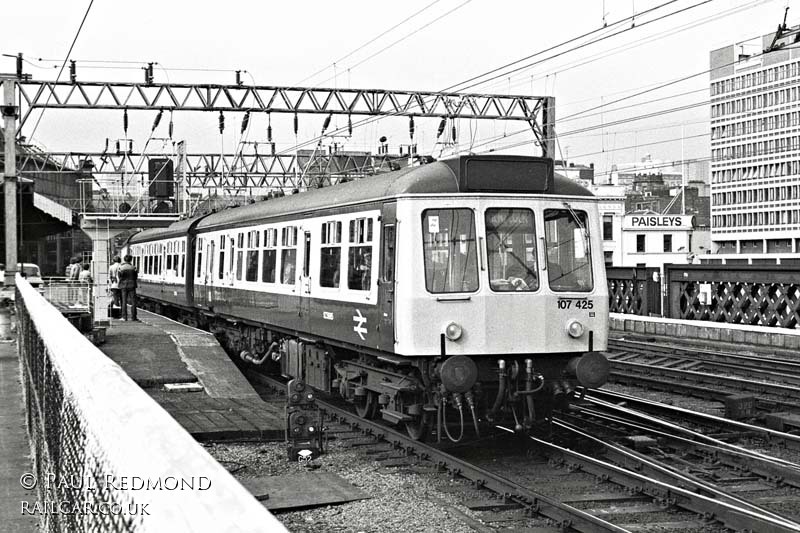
(640, 243)
(667, 243)
(608, 227)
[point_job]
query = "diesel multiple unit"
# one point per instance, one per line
(466, 289)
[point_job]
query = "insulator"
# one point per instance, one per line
(238, 77)
(157, 120)
(442, 124)
(245, 122)
(326, 123)
(221, 122)
(269, 127)
(411, 127)
(170, 124)
(106, 148)
(117, 146)
(125, 121)
(296, 124)
(349, 125)
(19, 66)
(454, 133)
(73, 71)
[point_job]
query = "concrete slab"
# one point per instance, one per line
(14, 447)
(296, 491)
(157, 352)
(205, 358)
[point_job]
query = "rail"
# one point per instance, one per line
(105, 452)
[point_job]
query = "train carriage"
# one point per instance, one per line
(474, 284)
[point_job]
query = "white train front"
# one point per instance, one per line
(473, 286)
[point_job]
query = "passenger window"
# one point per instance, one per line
(330, 254)
(251, 274)
(359, 260)
(511, 250)
(449, 251)
(239, 256)
(288, 255)
(268, 256)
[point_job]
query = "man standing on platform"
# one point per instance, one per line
(113, 282)
(128, 276)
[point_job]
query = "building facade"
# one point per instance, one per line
(755, 147)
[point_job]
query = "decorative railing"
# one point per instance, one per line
(634, 290)
(734, 294)
(107, 457)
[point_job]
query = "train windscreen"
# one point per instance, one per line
(451, 259)
(569, 265)
(511, 250)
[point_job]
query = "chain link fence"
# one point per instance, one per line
(107, 457)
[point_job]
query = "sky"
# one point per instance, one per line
(413, 45)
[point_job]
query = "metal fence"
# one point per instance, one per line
(634, 290)
(754, 295)
(106, 457)
(66, 295)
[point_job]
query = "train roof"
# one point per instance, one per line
(464, 174)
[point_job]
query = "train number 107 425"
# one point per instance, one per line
(570, 303)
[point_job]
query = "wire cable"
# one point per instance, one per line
(323, 69)
(64, 64)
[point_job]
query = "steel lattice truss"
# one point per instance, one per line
(203, 170)
(36, 94)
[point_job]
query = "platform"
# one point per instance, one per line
(156, 352)
(14, 447)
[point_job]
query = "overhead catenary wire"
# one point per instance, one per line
(398, 41)
(682, 10)
(369, 42)
(64, 64)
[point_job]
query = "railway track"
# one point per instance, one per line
(707, 374)
(725, 511)
(671, 415)
(771, 370)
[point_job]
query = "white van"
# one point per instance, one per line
(29, 271)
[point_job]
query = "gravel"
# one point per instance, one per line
(403, 499)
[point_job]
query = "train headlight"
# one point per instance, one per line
(453, 331)
(575, 329)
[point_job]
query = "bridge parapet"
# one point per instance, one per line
(103, 447)
(753, 295)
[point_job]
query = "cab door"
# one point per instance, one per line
(386, 277)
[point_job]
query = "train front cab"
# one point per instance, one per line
(514, 284)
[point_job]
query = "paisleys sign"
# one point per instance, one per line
(659, 221)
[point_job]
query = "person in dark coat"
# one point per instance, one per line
(128, 278)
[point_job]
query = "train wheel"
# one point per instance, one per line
(420, 427)
(368, 406)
